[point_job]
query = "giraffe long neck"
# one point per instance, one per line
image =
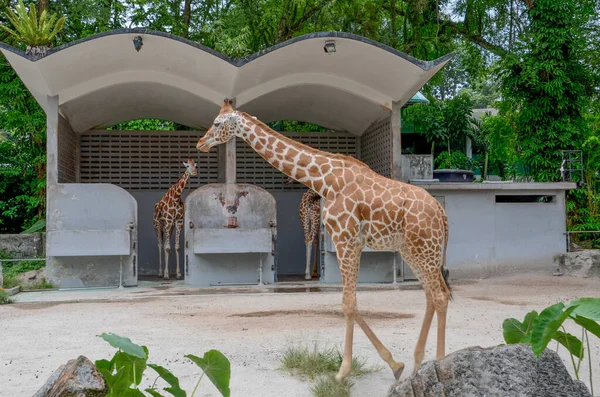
(180, 185)
(319, 171)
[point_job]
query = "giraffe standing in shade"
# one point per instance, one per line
(168, 212)
(310, 217)
(362, 208)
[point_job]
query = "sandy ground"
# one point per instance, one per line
(252, 330)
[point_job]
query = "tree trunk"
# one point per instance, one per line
(187, 16)
(42, 5)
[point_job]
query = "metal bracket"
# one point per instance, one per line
(187, 266)
(134, 261)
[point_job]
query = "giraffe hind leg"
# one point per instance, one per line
(431, 278)
(308, 260)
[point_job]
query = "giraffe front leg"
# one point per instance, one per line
(348, 259)
(167, 251)
(178, 229)
(158, 230)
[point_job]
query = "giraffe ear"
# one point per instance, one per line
(184, 163)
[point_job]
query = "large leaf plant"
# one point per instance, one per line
(538, 330)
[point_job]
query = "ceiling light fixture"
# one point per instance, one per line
(138, 43)
(329, 47)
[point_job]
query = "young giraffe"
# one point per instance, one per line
(310, 217)
(362, 208)
(168, 212)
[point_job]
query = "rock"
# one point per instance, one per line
(584, 263)
(32, 277)
(77, 378)
(510, 370)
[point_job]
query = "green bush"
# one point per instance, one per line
(4, 298)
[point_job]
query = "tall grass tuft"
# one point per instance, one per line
(312, 361)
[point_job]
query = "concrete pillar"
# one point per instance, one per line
(396, 131)
(230, 157)
(52, 140)
(51, 157)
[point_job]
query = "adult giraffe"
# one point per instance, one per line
(168, 212)
(362, 208)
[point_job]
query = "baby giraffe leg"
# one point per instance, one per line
(179, 227)
(167, 251)
(158, 230)
(308, 255)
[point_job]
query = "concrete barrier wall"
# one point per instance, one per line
(24, 245)
(206, 217)
(96, 218)
(489, 238)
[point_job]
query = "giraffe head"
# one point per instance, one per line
(225, 127)
(190, 167)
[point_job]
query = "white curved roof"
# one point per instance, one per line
(102, 80)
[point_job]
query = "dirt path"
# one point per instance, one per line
(252, 330)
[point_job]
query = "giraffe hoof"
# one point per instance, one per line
(307, 277)
(160, 275)
(179, 277)
(398, 370)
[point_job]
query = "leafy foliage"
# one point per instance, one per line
(550, 85)
(30, 30)
(22, 154)
(446, 122)
(538, 330)
(124, 372)
(453, 160)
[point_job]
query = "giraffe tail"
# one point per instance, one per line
(445, 271)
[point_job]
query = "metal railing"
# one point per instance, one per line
(568, 234)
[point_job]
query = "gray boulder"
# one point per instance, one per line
(77, 378)
(583, 264)
(31, 278)
(510, 370)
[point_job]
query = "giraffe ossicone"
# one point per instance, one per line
(362, 208)
(168, 213)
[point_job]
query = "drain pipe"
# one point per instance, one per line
(395, 270)
(260, 270)
(121, 272)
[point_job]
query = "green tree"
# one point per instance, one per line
(550, 86)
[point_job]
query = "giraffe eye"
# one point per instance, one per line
(217, 125)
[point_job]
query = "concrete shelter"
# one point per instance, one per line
(103, 184)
